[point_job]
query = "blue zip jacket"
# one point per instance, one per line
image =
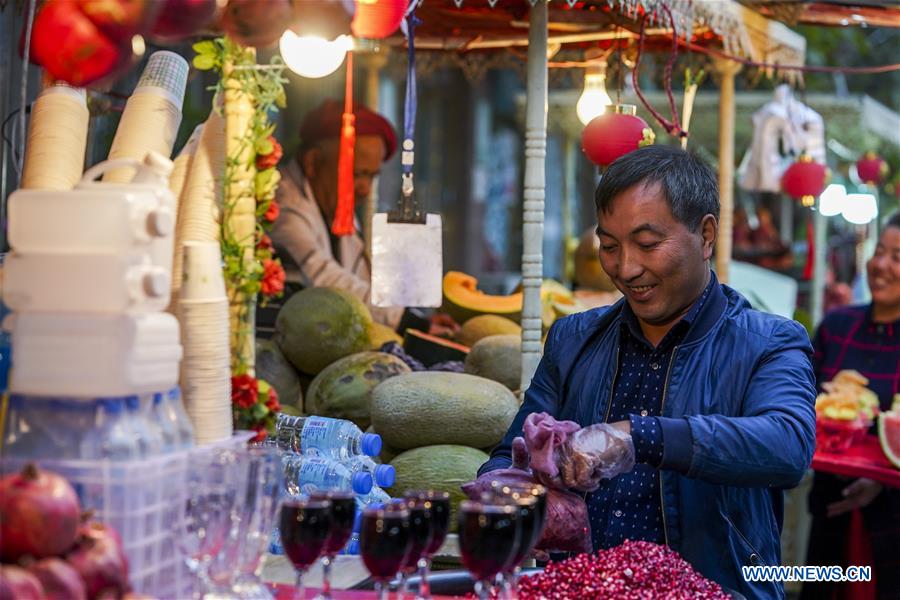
(738, 425)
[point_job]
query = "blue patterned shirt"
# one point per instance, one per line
(628, 507)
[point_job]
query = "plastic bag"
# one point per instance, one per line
(562, 455)
(566, 528)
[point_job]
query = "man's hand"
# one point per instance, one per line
(597, 452)
(858, 494)
(443, 325)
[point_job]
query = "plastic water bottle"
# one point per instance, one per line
(149, 440)
(168, 429)
(172, 412)
(335, 438)
(375, 496)
(305, 473)
(38, 427)
(384, 475)
(113, 436)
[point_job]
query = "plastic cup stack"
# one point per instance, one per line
(205, 367)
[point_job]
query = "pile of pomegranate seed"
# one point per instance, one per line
(639, 570)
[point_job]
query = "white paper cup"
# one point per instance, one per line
(202, 277)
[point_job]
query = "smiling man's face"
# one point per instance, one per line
(656, 261)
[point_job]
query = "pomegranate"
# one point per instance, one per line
(100, 561)
(179, 19)
(18, 584)
(59, 580)
(39, 514)
(632, 570)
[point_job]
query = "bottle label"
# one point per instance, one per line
(314, 471)
(314, 433)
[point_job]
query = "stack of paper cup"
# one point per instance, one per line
(205, 368)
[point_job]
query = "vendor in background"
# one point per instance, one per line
(307, 197)
(717, 398)
(867, 339)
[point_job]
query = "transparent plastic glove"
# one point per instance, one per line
(592, 454)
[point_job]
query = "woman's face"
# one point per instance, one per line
(883, 269)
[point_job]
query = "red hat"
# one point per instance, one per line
(324, 122)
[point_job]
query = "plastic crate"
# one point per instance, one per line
(143, 500)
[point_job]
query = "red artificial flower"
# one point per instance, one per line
(273, 278)
(244, 391)
(273, 211)
(267, 161)
(272, 403)
(261, 433)
(264, 243)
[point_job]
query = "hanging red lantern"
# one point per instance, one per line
(871, 168)
(615, 133)
(376, 19)
(804, 180)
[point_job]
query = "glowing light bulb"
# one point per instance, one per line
(311, 56)
(860, 209)
(832, 200)
(594, 99)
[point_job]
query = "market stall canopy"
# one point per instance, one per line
(470, 25)
(866, 13)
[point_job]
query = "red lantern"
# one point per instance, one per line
(871, 168)
(254, 23)
(804, 180)
(376, 19)
(615, 133)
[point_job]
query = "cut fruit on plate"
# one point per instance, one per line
(889, 435)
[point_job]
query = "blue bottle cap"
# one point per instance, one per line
(371, 444)
(362, 483)
(112, 405)
(385, 475)
(157, 399)
(133, 402)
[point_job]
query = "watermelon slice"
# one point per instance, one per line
(889, 435)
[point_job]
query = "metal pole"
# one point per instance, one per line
(727, 69)
(820, 254)
(533, 193)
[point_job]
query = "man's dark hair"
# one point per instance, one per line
(893, 221)
(687, 182)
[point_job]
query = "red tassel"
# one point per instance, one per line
(810, 250)
(343, 214)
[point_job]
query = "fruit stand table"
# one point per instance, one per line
(863, 459)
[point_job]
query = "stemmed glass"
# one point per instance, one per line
(263, 490)
(205, 524)
(440, 525)
(343, 514)
(421, 532)
(305, 526)
(489, 535)
(530, 522)
(384, 541)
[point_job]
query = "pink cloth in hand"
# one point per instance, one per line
(543, 435)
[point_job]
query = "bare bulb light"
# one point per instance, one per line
(594, 99)
(860, 209)
(832, 200)
(311, 56)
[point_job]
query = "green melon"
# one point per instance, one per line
(318, 326)
(442, 468)
(343, 389)
(428, 408)
(498, 358)
(482, 326)
(273, 367)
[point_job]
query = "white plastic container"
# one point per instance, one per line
(96, 218)
(85, 283)
(93, 355)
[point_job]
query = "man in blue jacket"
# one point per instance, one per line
(718, 398)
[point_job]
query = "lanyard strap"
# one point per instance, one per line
(409, 110)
